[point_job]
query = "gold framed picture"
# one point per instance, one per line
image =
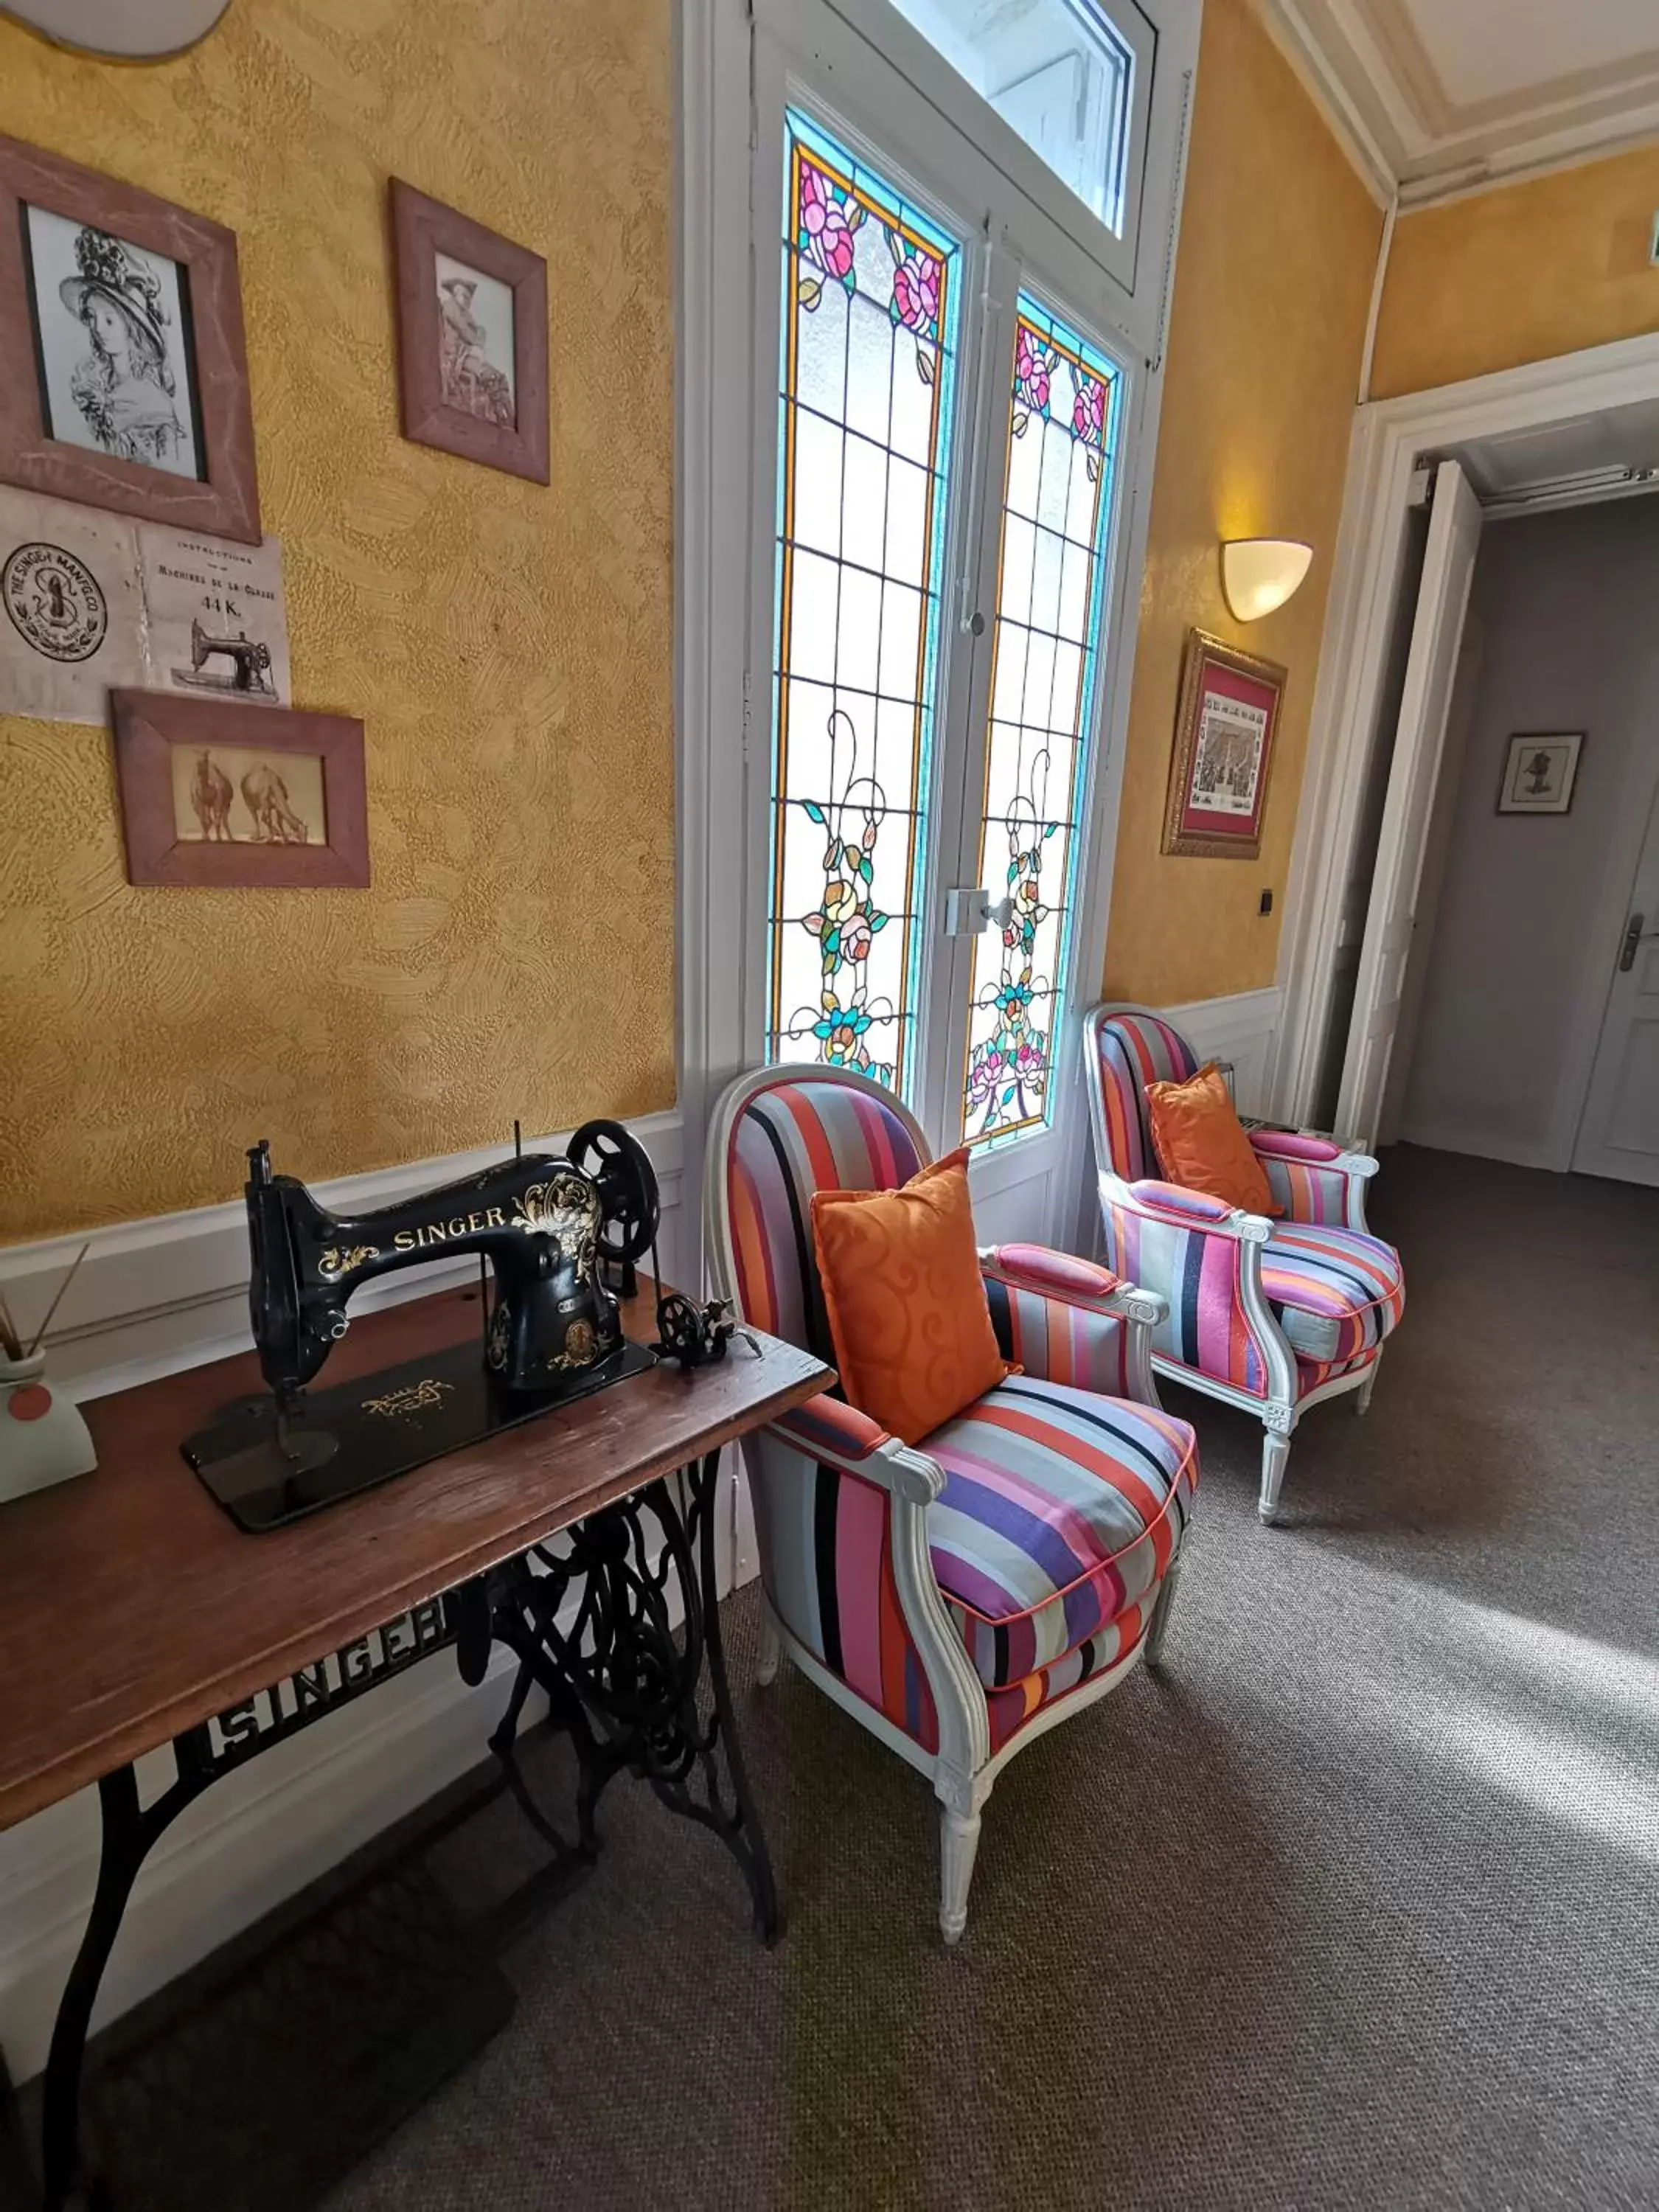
(1226, 725)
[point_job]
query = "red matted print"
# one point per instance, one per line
(1223, 748)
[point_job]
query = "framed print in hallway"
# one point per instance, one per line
(123, 362)
(1224, 743)
(1540, 770)
(472, 337)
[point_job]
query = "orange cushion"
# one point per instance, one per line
(908, 1312)
(1201, 1142)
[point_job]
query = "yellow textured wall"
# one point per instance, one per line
(1532, 269)
(1273, 284)
(508, 645)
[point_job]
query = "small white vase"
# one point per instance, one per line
(43, 1437)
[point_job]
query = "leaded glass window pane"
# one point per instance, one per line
(1045, 663)
(867, 387)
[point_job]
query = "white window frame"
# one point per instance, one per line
(725, 375)
(1116, 251)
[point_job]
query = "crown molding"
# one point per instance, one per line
(1288, 27)
(1363, 64)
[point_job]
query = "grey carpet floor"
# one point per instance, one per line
(1355, 1906)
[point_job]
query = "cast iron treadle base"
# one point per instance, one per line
(270, 2089)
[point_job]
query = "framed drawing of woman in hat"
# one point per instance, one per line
(122, 366)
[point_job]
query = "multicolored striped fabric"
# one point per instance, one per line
(1012, 1708)
(827, 1561)
(1206, 1328)
(1301, 1178)
(1134, 1050)
(1335, 1294)
(1054, 1339)
(1061, 1508)
(796, 1137)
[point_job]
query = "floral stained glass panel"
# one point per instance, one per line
(867, 389)
(1045, 652)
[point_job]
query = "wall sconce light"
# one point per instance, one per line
(1260, 574)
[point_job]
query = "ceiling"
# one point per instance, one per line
(1592, 457)
(1435, 96)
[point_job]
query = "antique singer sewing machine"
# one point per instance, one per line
(552, 1331)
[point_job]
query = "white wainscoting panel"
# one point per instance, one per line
(1241, 1028)
(152, 1297)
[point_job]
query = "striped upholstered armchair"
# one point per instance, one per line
(1270, 1314)
(961, 1597)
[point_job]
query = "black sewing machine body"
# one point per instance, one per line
(553, 1329)
(536, 1219)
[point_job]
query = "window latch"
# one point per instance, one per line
(968, 912)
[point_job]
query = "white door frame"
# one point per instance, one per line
(719, 730)
(1388, 437)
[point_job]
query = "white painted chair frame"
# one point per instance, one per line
(964, 1769)
(1281, 1408)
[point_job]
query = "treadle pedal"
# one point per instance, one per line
(273, 2079)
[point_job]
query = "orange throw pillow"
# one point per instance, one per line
(1201, 1142)
(907, 1311)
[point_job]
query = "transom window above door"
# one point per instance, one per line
(1057, 71)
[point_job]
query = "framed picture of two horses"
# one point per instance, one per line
(218, 794)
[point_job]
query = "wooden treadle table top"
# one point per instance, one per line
(131, 1607)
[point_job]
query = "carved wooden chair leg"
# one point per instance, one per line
(768, 1650)
(1275, 1451)
(1158, 1628)
(958, 1836)
(1362, 1396)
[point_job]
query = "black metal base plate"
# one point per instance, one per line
(281, 2078)
(359, 1434)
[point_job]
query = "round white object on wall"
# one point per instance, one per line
(127, 30)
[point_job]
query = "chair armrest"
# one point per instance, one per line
(1074, 1282)
(830, 1424)
(1188, 1209)
(1054, 1274)
(1312, 1178)
(827, 1429)
(1066, 1319)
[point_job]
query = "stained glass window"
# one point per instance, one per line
(1045, 663)
(868, 381)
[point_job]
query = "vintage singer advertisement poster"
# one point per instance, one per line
(217, 617)
(73, 623)
(93, 602)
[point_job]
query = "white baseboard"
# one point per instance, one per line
(152, 1297)
(1241, 1028)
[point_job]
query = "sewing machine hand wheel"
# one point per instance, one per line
(620, 1165)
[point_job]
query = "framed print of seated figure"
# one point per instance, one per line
(123, 363)
(471, 337)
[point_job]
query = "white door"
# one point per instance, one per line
(943, 497)
(1431, 670)
(1618, 1134)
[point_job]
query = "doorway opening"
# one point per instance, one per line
(1488, 894)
